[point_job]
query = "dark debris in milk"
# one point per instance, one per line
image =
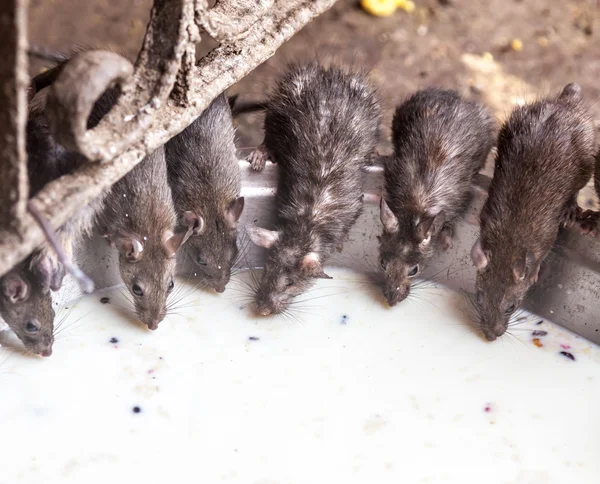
(105, 300)
(114, 340)
(253, 338)
(136, 409)
(566, 354)
(344, 319)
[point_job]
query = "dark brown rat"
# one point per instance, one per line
(25, 299)
(321, 127)
(26, 306)
(440, 142)
(139, 220)
(205, 178)
(545, 156)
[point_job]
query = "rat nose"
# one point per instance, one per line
(489, 336)
(153, 324)
(263, 310)
(396, 294)
(47, 352)
(220, 289)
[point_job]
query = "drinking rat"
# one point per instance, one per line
(140, 221)
(545, 156)
(205, 178)
(25, 299)
(440, 142)
(321, 127)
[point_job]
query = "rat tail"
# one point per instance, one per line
(86, 284)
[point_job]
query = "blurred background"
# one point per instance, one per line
(501, 52)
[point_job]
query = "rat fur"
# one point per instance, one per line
(321, 128)
(545, 156)
(440, 143)
(139, 219)
(205, 178)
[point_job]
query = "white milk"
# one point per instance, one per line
(343, 391)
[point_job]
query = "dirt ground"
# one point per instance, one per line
(459, 44)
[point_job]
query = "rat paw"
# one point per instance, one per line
(445, 241)
(570, 214)
(588, 222)
(258, 158)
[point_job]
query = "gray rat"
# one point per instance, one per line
(321, 128)
(545, 156)
(440, 142)
(205, 178)
(139, 219)
(25, 299)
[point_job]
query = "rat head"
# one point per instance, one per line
(502, 284)
(403, 248)
(213, 243)
(289, 270)
(26, 306)
(147, 268)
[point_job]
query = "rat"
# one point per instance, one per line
(25, 299)
(139, 219)
(321, 128)
(205, 178)
(440, 143)
(545, 156)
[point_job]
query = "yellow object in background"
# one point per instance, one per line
(516, 45)
(385, 8)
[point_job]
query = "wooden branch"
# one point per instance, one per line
(14, 185)
(214, 73)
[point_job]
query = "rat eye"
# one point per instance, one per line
(414, 271)
(382, 263)
(479, 298)
(171, 286)
(289, 284)
(137, 290)
(32, 327)
(510, 309)
(200, 261)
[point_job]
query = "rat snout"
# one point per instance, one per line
(493, 331)
(152, 318)
(46, 352)
(220, 288)
(264, 311)
(396, 293)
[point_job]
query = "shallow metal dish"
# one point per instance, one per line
(567, 293)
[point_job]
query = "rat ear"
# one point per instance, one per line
(233, 212)
(128, 246)
(430, 226)
(478, 256)
(48, 271)
(195, 223)
(173, 241)
(15, 288)
(262, 237)
(388, 219)
(232, 100)
(31, 91)
(526, 266)
(311, 266)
